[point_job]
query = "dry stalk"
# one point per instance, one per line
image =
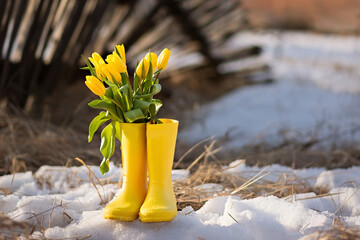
(342, 205)
(10, 229)
(339, 231)
(27, 144)
(51, 213)
(252, 180)
(190, 150)
(90, 174)
(235, 184)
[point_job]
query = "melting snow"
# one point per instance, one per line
(316, 93)
(65, 204)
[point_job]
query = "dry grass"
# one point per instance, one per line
(27, 144)
(10, 229)
(210, 170)
(189, 194)
(313, 152)
(338, 232)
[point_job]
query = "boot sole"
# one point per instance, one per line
(121, 217)
(149, 220)
(154, 218)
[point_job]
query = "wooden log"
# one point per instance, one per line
(16, 15)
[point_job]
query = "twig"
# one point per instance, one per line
(51, 213)
(91, 180)
(207, 152)
(191, 149)
(319, 196)
(251, 181)
(232, 217)
(342, 205)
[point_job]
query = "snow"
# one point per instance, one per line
(330, 61)
(266, 110)
(316, 93)
(314, 176)
(61, 202)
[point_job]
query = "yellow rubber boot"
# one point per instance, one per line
(127, 204)
(160, 202)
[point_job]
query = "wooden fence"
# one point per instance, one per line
(41, 41)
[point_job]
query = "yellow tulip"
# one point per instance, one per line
(163, 59)
(121, 50)
(98, 69)
(93, 61)
(153, 60)
(95, 85)
(111, 73)
(115, 61)
(98, 62)
(97, 57)
(143, 68)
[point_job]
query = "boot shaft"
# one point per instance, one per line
(161, 141)
(133, 151)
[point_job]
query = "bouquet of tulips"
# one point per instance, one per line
(121, 101)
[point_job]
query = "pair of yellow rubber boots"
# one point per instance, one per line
(146, 146)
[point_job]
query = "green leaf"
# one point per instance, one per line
(110, 95)
(143, 105)
(124, 79)
(104, 166)
(109, 83)
(157, 121)
(96, 123)
(133, 115)
(85, 68)
(118, 97)
(127, 97)
(107, 146)
(106, 105)
(92, 70)
(136, 84)
(152, 110)
(158, 104)
(117, 127)
(155, 89)
(109, 92)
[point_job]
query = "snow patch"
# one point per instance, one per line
(75, 210)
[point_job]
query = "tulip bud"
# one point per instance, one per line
(121, 50)
(163, 59)
(153, 60)
(97, 61)
(98, 69)
(95, 85)
(111, 73)
(115, 61)
(97, 57)
(143, 68)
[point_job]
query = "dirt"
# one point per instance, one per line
(339, 16)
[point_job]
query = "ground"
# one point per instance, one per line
(307, 121)
(67, 203)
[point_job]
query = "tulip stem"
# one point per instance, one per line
(140, 88)
(128, 83)
(112, 100)
(157, 76)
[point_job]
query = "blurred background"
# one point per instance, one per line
(270, 81)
